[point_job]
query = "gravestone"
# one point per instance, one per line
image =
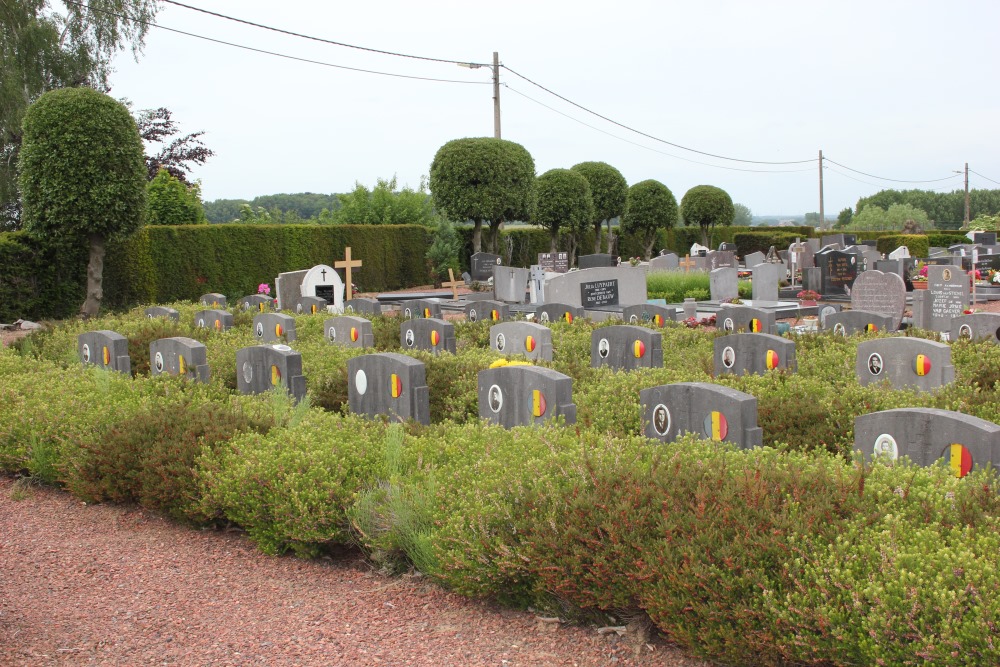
(273, 327)
(258, 302)
(877, 292)
(554, 262)
(838, 270)
(388, 384)
(349, 331)
(643, 313)
(902, 252)
(983, 238)
(825, 311)
(220, 320)
(364, 306)
(510, 284)
(490, 311)
(213, 300)
(105, 349)
(262, 367)
(868, 258)
(179, 356)
(427, 333)
(753, 353)
(722, 259)
(836, 240)
(905, 362)
(727, 246)
(524, 395)
(723, 284)
(558, 312)
(626, 347)
(598, 288)
(928, 435)
(764, 283)
(320, 281)
(713, 411)
(665, 262)
(599, 260)
(310, 305)
(163, 311)
(536, 284)
(753, 259)
(532, 340)
(420, 308)
(850, 322)
(891, 266)
(804, 255)
(815, 244)
(948, 293)
(812, 279)
(977, 326)
(481, 265)
(738, 319)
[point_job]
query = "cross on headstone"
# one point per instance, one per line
(687, 263)
(453, 284)
(347, 265)
(323, 274)
(795, 251)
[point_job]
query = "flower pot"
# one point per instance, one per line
(807, 303)
(920, 285)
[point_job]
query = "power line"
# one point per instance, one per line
(883, 178)
(648, 136)
(320, 39)
(986, 177)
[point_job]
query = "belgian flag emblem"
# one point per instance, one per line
(427, 312)
(395, 386)
(638, 349)
(772, 360)
(181, 365)
(529, 343)
(568, 316)
(537, 403)
(658, 320)
(871, 328)
(495, 315)
(279, 330)
(435, 338)
(959, 459)
(354, 334)
(756, 326)
(275, 376)
(314, 309)
(922, 365)
(218, 325)
(716, 426)
(106, 355)
(261, 306)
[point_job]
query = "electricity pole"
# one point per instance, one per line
(822, 216)
(966, 194)
(496, 118)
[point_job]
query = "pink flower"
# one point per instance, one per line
(923, 271)
(263, 288)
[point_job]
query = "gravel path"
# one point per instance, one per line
(109, 585)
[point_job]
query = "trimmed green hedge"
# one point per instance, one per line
(38, 282)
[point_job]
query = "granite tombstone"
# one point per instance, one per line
(626, 347)
(105, 349)
(263, 367)
(219, 320)
(534, 341)
(753, 353)
(388, 384)
(427, 333)
(179, 356)
(877, 292)
(349, 331)
(713, 411)
(273, 327)
(524, 395)
(162, 311)
(913, 363)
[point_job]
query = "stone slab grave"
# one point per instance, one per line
(726, 245)
(558, 312)
(983, 238)
(105, 349)
(868, 257)
(838, 241)
(596, 261)
(802, 255)
(490, 311)
(877, 292)
(179, 356)
(427, 333)
(753, 259)
(643, 313)
(219, 320)
(364, 306)
(263, 367)
(320, 281)
(349, 331)
(825, 310)
(850, 322)
(664, 262)
(901, 267)
(753, 353)
(554, 262)
(213, 300)
(812, 279)
(765, 281)
(273, 327)
(626, 347)
(481, 265)
(838, 270)
(948, 293)
(977, 326)
(162, 311)
(510, 283)
(739, 319)
(259, 302)
(310, 305)
(525, 395)
(723, 284)
(534, 341)
(722, 259)
(420, 308)
(713, 411)
(598, 288)
(928, 435)
(913, 363)
(902, 252)
(388, 384)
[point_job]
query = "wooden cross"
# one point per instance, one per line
(687, 263)
(453, 284)
(347, 265)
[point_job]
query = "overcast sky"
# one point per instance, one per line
(899, 90)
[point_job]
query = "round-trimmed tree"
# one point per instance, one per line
(609, 190)
(563, 201)
(650, 207)
(483, 179)
(82, 175)
(707, 206)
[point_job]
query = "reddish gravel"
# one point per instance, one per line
(107, 585)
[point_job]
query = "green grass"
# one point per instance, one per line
(675, 286)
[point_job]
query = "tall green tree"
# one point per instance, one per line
(484, 180)
(385, 204)
(563, 202)
(82, 175)
(609, 190)
(169, 201)
(743, 216)
(874, 218)
(650, 207)
(707, 206)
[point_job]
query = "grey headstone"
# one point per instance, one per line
(724, 284)
(273, 327)
(558, 312)
(815, 244)
(948, 293)
(838, 270)
(850, 322)
(349, 331)
(310, 305)
(213, 300)
(665, 262)
(324, 282)
(481, 265)
(522, 395)
(977, 326)
(921, 309)
(261, 367)
(890, 266)
(179, 356)
(626, 347)
(363, 306)
(738, 319)
(427, 333)
(288, 288)
(713, 411)
(643, 313)
(834, 240)
(984, 238)
(388, 384)
(753, 353)
(420, 308)
(902, 252)
(163, 311)
(599, 260)
(765, 281)
(510, 283)
(726, 245)
(597, 288)
(825, 311)
(536, 284)
(554, 262)
(878, 292)
(105, 349)
(690, 307)
(258, 302)
(534, 341)
(722, 259)
(905, 362)
(928, 435)
(812, 279)
(869, 257)
(490, 311)
(219, 320)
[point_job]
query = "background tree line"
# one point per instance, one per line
(942, 210)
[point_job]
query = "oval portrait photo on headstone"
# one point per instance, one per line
(544, 317)
(409, 338)
(728, 357)
(260, 330)
(885, 446)
(86, 353)
(603, 348)
(661, 419)
(633, 319)
(495, 398)
(158, 361)
(247, 371)
(331, 333)
(839, 329)
(501, 342)
(946, 275)
(361, 382)
(473, 315)
(727, 324)
(965, 331)
(875, 363)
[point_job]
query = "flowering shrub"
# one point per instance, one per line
(263, 288)
(807, 295)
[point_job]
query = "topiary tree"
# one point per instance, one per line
(563, 201)
(82, 175)
(609, 190)
(483, 179)
(170, 202)
(650, 207)
(707, 206)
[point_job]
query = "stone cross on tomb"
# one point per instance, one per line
(347, 265)
(795, 252)
(453, 284)
(687, 263)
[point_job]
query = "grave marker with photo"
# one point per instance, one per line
(259, 302)
(525, 395)
(349, 331)
(273, 327)
(420, 308)
(948, 292)
(179, 356)
(427, 333)
(558, 312)
(263, 367)
(644, 313)
(850, 322)
(310, 305)
(977, 326)
(913, 363)
(712, 411)
(739, 319)
(363, 306)
(105, 349)
(753, 353)
(218, 320)
(481, 265)
(213, 300)
(490, 311)
(534, 341)
(626, 347)
(163, 311)
(388, 384)
(838, 270)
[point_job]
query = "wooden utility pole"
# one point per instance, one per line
(822, 216)
(967, 195)
(496, 97)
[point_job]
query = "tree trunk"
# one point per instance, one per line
(491, 236)
(611, 239)
(95, 274)
(704, 235)
(477, 236)
(597, 238)
(554, 241)
(573, 243)
(650, 242)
